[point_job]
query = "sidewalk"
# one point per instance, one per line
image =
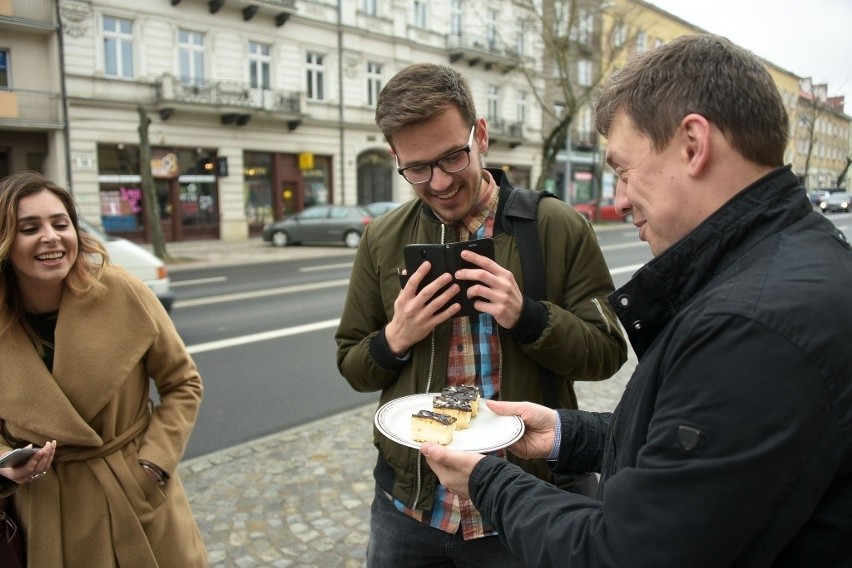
(194, 254)
(301, 497)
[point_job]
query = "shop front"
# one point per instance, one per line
(276, 185)
(185, 188)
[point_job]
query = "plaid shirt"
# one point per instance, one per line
(474, 360)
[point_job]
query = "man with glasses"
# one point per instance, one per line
(402, 341)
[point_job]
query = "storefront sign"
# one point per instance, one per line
(165, 167)
(306, 161)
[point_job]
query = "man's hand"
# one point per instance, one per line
(496, 286)
(452, 467)
(539, 427)
(416, 314)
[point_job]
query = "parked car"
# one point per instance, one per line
(137, 261)
(818, 196)
(837, 201)
(381, 207)
(607, 211)
(343, 224)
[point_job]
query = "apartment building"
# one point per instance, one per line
(256, 108)
(820, 134)
(32, 117)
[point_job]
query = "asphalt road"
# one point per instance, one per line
(263, 338)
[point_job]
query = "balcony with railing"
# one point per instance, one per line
(500, 130)
(235, 102)
(22, 109)
(38, 15)
(478, 49)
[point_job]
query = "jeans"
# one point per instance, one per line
(398, 541)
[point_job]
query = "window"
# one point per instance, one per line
(5, 80)
(374, 82)
(520, 42)
(419, 15)
(315, 76)
(585, 27)
(521, 107)
(191, 56)
(370, 7)
(259, 63)
(493, 102)
(491, 29)
(118, 47)
(619, 35)
(456, 18)
(641, 42)
(584, 73)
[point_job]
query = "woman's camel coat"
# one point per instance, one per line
(97, 506)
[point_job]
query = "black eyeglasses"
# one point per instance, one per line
(451, 163)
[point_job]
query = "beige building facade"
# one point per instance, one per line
(258, 108)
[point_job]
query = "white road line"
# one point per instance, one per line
(325, 267)
(288, 331)
(623, 269)
(264, 336)
(625, 245)
(259, 293)
(199, 281)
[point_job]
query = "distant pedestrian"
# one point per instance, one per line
(402, 341)
(80, 342)
(732, 444)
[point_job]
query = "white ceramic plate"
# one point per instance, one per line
(487, 432)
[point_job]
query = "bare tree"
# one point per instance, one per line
(843, 172)
(155, 229)
(569, 33)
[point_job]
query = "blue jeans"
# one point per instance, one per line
(398, 541)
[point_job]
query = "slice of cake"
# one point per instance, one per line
(454, 406)
(469, 393)
(428, 426)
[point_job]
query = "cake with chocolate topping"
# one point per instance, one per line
(469, 393)
(454, 406)
(428, 426)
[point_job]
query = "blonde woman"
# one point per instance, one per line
(80, 340)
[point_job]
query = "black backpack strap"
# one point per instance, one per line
(520, 219)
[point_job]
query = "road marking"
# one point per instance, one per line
(325, 267)
(623, 269)
(260, 293)
(199, 281)
(264, 336)
(625, 245)
(296, 330)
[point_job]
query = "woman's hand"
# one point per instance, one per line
(34, 468)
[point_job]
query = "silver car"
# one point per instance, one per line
(335, 224)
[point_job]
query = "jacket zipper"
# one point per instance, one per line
(428, 387)
(597, 304)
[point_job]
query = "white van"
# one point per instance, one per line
(137, 261)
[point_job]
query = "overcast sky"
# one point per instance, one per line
(810, 38)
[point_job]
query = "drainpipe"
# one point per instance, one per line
(340, 99)
(66, 134)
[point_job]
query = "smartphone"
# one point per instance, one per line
(17, 457)
(447, 258)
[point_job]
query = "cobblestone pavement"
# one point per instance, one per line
(301, 497)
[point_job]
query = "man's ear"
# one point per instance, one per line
(696, 132)
(481, 136)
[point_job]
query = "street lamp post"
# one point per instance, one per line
(568, 173)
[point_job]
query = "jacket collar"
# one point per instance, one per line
(661, 288)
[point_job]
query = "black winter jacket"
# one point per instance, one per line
(732, 444)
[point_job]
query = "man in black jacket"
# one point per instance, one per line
(732, 444)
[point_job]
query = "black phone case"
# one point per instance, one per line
(447, 258)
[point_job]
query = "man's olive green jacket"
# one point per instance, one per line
(573, 333)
